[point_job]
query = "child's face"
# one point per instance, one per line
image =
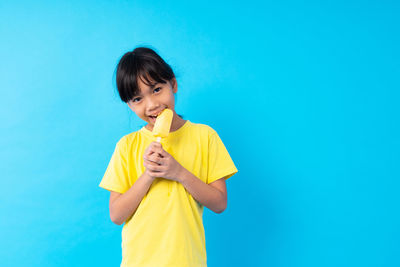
(153, 99)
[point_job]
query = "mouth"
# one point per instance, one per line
(154, 117)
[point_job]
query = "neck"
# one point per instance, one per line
(177, 122)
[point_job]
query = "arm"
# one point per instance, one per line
(213, 195)
(122, 206)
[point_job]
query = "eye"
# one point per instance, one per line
(158, 88)
(134, 100)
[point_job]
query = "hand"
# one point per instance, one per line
(159, 163)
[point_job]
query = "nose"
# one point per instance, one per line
(152, 105)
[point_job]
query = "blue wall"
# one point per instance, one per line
(304, 94)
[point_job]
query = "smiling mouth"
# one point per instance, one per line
(155, 116)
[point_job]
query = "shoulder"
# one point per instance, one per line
(203, 129)
(128, 139)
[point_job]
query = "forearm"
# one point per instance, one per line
(125, 205)
(207, 195)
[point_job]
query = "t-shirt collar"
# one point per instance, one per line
(174, 133)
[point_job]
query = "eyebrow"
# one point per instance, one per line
(150, 88)
(154, 85)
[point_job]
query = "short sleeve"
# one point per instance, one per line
(220, 163)
(116, 175)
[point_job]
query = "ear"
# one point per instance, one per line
(174, 84)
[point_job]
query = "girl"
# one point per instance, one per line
(159, 190)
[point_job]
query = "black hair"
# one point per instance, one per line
(141, 63)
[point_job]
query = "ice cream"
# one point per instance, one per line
(163, 124)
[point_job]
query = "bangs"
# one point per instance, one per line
(148, 67)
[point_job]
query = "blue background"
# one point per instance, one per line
(304, 94)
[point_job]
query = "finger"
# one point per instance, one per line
(162, 153)
(157, 158)
(154, 159)
(159, 170)
(156, 144)
(154, 148)
(151, 152)
(148, 151)
(154, 167)
(149, 165)
(147, 160)
(156, 153)
(159, 161)
(158, 149)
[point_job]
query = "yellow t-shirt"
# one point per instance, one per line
(167, 227)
